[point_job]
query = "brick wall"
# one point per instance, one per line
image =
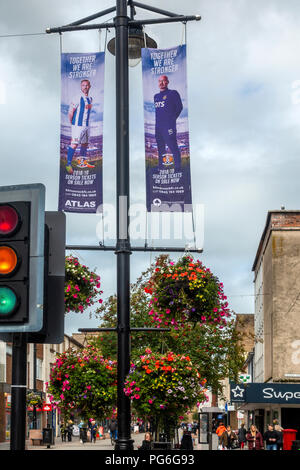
(285, 219)
(8, 369)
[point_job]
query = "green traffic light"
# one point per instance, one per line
(8, 301)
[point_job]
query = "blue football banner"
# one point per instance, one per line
(167, 148)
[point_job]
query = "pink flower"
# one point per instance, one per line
(150, 401)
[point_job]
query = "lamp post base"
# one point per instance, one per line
(124, 444)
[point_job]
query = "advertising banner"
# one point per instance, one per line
(81, 132)
(168, 180)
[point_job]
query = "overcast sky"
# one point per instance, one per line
(244, 119)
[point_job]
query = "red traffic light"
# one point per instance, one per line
(9, 220)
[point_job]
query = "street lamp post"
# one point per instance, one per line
(123, 242)
(123, 24)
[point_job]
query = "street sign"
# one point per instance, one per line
(47, 407)
(245, 378)
(279, 393)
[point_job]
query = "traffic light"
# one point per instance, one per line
(22, 220)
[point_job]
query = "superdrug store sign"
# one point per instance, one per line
(265, 393)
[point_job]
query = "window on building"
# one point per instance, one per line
(39, 369)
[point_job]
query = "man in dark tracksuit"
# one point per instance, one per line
(168, 106)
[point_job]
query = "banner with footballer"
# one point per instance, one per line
(81, 135)
(168, 179)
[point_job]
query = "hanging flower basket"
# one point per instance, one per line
(34, 399)
(83, 381)
(81, 286)
(186, 291)
(164, 384)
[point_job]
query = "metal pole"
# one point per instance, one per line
(156, 249)
(18, 392)
(34, 384)
(123, 251)
(210, 436)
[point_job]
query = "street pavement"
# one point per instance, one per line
(100, 444)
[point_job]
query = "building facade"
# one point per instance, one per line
(276, 356)
(40, 358)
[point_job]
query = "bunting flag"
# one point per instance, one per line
(168, 179)
(81, 135)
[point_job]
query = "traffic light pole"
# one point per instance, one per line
(18, 392)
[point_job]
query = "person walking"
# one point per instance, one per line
(147, 442)
(113, 429)
(70, 430)
(254, 439)
(279, 431)
(93, 430)
(220, 429)
(271, 437)
(186, 441)
(227, 439)
(63, 431)
(82, 432)
(242, 436)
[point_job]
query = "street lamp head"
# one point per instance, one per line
(137, 39)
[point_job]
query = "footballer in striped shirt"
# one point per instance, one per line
(79, 117)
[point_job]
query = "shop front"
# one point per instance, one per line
(5, 408)
(264, 403)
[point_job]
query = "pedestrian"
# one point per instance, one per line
(147, 442)
(227, 439)
(63, 431)
(254, 439)
(279, 431)
(186, 441)
(220, 429)
(242, 436)
(101, 432)
(70, 430)
(93, 430)
(82, 432)
(271, 438)
(113, 429)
